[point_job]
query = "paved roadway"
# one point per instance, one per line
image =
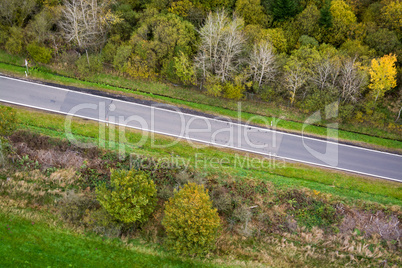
(213, 131)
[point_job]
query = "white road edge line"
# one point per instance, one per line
(227, 146)
(233, 123)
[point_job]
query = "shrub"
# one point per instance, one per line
(233, 90)
(73, 206)
(101, 222)
(132, 197)
(39, 53)
(222, 200)
(8, 123)
(8, 120)
(121, 58)
(190, 221)
(94, 66)
(14, 44)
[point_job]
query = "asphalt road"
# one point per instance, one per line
(205, 130)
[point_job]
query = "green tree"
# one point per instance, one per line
(343, 20)
(252, 12)
(325, 15)
(306, 40)
(282, 9)
(184, 69)
(16, 12)
(391, 15)
(190, 221)
(160, 37)
(307, 21)
(277, 38)
(132, 197)
(383, 41)
(122, 55)
(356, 48)
(39, 28)
(15, 42)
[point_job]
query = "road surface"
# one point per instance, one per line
(206, 130)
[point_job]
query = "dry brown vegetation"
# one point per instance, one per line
(262, 224)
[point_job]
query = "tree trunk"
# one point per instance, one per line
(399, 114)
(86, 52)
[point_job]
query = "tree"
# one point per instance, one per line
(325, 15)
(132, 197)
(221, 45)
(14, 44)
(355, 48)
(282, 9)
(39, 28)
(190, 221)
(85, 23)
(160, 37)
(251, 11)
(277, 38)
(16, 12)
(295, 77)
(307, 21)
(262, 63)
(383, 41)
(184, 69)
(342, 20)
(382, 75)
(352, 80)
(391, 15)
(326, 72)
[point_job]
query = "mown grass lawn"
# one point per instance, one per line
(27, 243)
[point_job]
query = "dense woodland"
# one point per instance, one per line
(299, 53)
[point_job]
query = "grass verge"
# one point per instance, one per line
(26, 242)
(347, 186)
(378, 139)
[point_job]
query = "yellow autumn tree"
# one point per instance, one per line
(190, 221)
(382, 75)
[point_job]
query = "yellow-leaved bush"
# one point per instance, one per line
(190, 221)
(132, 198)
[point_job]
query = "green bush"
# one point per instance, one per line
(14, 44)
(121, 58)
(39, 53)
(233, 91)
(8, 120)
(132, 197)
(190, 221)
(95, 64)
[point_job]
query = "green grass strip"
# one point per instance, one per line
(290, 175)
(378, 138)
(27, 243)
